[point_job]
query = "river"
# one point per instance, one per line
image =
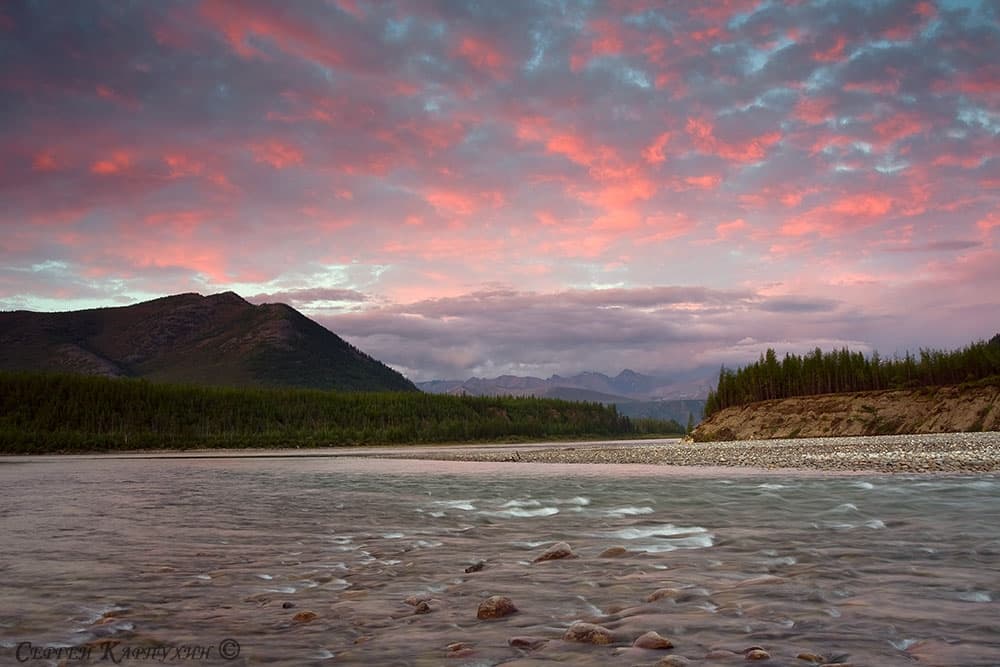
(325, 560)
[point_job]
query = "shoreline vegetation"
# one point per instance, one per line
(843, 371)
(48, 413)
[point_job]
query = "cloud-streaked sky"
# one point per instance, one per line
(529, 187)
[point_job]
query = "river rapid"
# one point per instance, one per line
(329, 561)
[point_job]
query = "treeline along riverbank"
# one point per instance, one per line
(842, 371)
(42, 413)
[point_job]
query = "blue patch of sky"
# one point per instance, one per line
(978, 10)
(756, 59)
(634, 77)
(891, 166)
(649, 18)
(395, 29)
(820, 79)
(739, 20)
(977, 117)
(539, 44)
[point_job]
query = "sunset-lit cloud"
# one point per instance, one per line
(488, 187)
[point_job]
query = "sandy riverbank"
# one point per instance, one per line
(949, 452)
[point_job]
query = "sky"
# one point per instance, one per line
(477, 188)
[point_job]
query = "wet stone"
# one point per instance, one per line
(414, 600)
(557, 551)
(810, 657)
(495, 606)
(422, 607)
(756, 653)
(588, 633)
(653, 640)
(475, 568)
(305, 616)
(287, 605)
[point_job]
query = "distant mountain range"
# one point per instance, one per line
(188, 338)
(635, 394)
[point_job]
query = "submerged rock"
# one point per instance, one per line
(661, 593)
(305, 616)
(475, 568)
(414, 600)
(495, 606)
(460, 650)
(422, 607)
(588, 633)
(653, 640)
(555, 552)
(528, 643)
(722, 653)
(674, 661)
(614, 552)
(811, 657)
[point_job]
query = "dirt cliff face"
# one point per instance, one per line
(949, 409)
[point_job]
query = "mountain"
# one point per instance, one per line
(626, 386)
(189, 338)
(634, 394)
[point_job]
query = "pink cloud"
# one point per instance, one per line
(482, 55)
(727, 230)
(45, 161)
(116, 163)
(704, 182)
(701, 131)
(831, 52)
(653, 153)
(277, 154)
(814, 110)
(898, 127)
(604, 39)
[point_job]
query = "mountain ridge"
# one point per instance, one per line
(628, 385)
(220, 339)
(634, 394)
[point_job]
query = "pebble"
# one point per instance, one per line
(557, 551)
(495, 606)
(937, 452)
(588, 633)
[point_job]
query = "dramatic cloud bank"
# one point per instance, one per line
(515, 187)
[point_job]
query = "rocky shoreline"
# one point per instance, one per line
(928, 453)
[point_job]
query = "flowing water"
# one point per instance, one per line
(194, 556)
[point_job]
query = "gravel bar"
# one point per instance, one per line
(928, 453)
